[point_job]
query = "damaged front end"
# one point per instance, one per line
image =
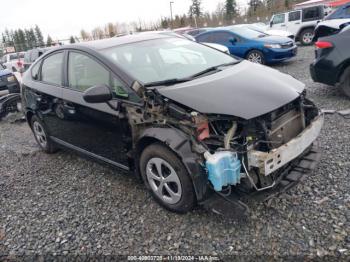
(226, 154)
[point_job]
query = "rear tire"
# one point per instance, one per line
(41, 135)
(167, 179)
(344, 82)
(306, 37)
(255, 56)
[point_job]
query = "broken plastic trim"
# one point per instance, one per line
(277, 158)
(252, 181)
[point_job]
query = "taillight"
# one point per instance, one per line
(323, 44)
(19, 63)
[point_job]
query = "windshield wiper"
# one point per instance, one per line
(174, 81)
(167, 82)
(213, 68)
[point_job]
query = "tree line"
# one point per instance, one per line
(27, 38)
(227, 12)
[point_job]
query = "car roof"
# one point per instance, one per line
(122, 40)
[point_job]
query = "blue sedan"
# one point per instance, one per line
(8, 82)
(252, 45)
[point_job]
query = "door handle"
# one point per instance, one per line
(297, 23)
(283, 25)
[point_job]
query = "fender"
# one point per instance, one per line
(180, 143)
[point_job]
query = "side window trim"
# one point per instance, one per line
(41, 66)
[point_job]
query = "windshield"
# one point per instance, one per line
(167, 58)
(247, 32)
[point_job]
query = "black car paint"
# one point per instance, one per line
(233, 92)
(97, 130)
(101, 131)
(330, 63)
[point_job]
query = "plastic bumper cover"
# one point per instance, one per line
(269, 162)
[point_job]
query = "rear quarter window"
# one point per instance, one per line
(312, 13)
(51, 70)
(35, 71)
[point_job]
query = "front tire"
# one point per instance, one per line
(306, 37)
(167, 179)
(41, 135)
(255, 56)
(344, 82)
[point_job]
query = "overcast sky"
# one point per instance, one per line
(63, 18)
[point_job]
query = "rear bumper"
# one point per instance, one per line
(322, 73)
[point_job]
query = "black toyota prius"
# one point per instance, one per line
(194, 123)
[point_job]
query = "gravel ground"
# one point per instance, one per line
(62, 204)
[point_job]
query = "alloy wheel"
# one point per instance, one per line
(307, 38)
(255, 58)
(40, 134)
(163, 180)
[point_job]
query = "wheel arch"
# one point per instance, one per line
(297, 36)
(179, 143)
(29, 114)
(253, 49)
(342, 68)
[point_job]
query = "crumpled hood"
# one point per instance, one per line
(5, 72)
(245, 90)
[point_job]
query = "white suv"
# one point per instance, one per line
(300, 22)
(14, 61)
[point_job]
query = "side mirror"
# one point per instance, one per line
(233, 40)
(98, 94)
(271, 23)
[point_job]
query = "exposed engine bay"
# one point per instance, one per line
(249, 155)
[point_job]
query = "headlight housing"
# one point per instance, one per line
(11, 79)
(275, 46)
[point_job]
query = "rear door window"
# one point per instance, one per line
(51, 70)
(312, 13)
(294, 16)
(222, 38)
(205, 38)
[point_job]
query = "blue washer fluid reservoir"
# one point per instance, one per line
(224, 168)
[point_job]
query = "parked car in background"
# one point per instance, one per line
(31, 55)
(261, 27)
(13, 61)
(189, 37)
(191, 121)
(197, 31)
(252, 45)
(332, 62)
(330, 27)
(8, 82)
(183, 30)
(301, 23)
(340, 13)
